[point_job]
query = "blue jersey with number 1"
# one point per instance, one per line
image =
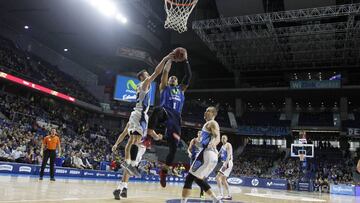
(172, 97)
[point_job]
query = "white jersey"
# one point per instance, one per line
(138, 120)
(142, 99)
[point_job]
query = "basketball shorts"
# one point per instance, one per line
(138, 123)
(226, 168)
(204, 163)
(173, 125)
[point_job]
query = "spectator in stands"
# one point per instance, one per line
(78, 163)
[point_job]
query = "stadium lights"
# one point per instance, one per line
(120, 18)
(66, 50)
(26, 27)
(109, 9)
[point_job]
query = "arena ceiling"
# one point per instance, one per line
(93, 40)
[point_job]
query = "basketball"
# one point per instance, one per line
(180, 54)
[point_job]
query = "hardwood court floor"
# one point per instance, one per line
(14, 189)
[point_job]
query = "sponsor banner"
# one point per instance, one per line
(255, 182)
(357, 190)
(40, 88)
(353, 131)
(304, 186)
(342, 189)
(313, 84)
(6, 168)
(264, 130)
(16, 168)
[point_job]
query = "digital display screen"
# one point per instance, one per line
(36, 86)
(125, 89)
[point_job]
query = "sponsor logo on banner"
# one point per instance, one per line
(212, 179)
(235, 181)
(171, 179)
(60, 171)
(269, 184)
(111, 175)
(100, 174)
(26, 169)
(6, 167)
(89, 174)
(255, 182)
(342, 189)
(176, 179)
(354, 131)
(74, 172)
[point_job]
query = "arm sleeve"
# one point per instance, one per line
(188, 74)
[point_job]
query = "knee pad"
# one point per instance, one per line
(189, 181)
(133, 152)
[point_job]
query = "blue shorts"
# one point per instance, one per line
(173, 125)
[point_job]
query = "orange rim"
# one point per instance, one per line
(177, 4)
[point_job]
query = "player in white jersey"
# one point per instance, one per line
(226, 156)
(138, 120)
(136, 157)
(206, 159)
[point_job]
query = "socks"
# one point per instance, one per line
(128, 161)
(122, 185)
(133, 163)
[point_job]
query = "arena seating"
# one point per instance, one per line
(316, 119)
(263, 119)
(18, 62)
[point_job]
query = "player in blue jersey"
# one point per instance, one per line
(193, 150)
(206, 160)
(226, 156)
(138, 121)
(169, 112)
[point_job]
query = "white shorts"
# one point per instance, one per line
(138, 122)
(204, 163)
(226, 170)
(141, 152)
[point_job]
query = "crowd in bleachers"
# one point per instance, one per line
(84, 146)
(16, 61)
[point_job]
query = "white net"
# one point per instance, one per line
(178, 12)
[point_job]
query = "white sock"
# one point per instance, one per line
(120, 186)
(125, 185)
(133, 163)
(128, 161)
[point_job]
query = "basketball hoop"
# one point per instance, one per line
(178, 12)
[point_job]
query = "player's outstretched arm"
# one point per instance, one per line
(121, 137)
(215, 130)
(165, 75)
(188, 74)
(159, 68)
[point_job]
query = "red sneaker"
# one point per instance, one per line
(163, 174)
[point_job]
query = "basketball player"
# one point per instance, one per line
(193, 149)
(136, 157)
(138, 121)
(169, 112)
(226, 156)
(207, 159)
